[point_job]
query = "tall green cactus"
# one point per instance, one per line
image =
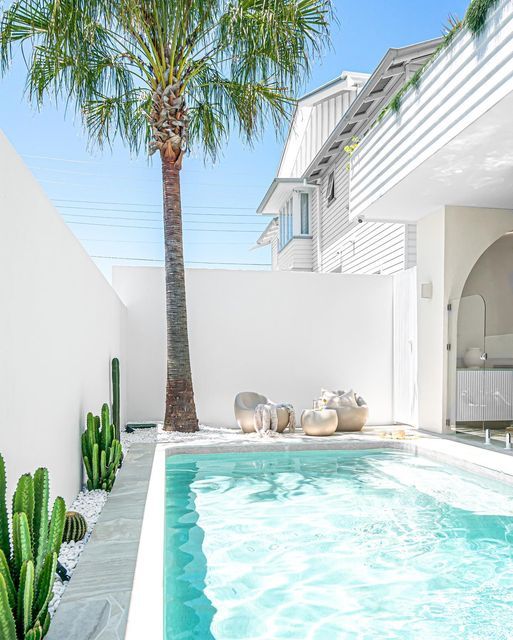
(5, 543)
(23, 499)
(101, 451)
(27, 567)
(40, 524)
(7, 623)
(116, 416)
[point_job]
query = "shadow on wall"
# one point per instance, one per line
(485, 316)
(284, 335)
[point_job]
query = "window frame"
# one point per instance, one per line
(286, 223)
(330, 191)
(304, 197)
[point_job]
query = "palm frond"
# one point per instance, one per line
(238, 63)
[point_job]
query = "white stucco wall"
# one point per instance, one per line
(283, 334)
(60, 323)
(431, 321)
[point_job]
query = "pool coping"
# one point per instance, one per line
(98, 605)
(97, 599)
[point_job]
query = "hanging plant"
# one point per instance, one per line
(475, 20)
(350, 149)
(477, 13)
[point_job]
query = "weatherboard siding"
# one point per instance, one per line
(465, 81)
(351, 247)
(296, 255)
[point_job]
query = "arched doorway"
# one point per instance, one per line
(480, 390)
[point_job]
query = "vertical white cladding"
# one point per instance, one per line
(311, 127)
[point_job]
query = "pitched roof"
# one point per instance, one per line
(396, 67)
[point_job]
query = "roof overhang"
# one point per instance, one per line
(392, 72)
(276, 194)
(268, 234)
(348, 81)
(475, 169)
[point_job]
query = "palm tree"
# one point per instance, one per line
(166, 76)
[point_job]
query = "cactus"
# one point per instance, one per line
(40, 525)
(23, 499)
(21, 542)
(27, 570)
(116, 418)
(75, 527)
(5, 543)
(25, 597)
(7, 624)
(101, 451)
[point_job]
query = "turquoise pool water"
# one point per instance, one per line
(335, 545)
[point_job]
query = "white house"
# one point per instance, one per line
(430, 346)
(444, 163)
(311, 229)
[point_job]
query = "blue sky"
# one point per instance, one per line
(218, 202)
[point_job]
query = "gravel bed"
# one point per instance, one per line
(89, 504)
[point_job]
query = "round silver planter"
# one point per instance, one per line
(351, 418)
(319, 422)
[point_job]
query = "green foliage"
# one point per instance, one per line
(23, 499)
(40, 526)
(237, 65)
(21, 544)
(5, 572)
(75, 527)
(27, 567)
(453, 26)
(475, 19)
(7, 623)
(350, 148)
(476, 15)
(5, 543)
(25, 597)
(56, 529)
(116, 418)
(101, 451)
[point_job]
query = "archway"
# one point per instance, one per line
(481, 393)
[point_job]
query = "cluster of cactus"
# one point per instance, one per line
(116, 416)
(29, 562)
(101, 451)
(75, 527)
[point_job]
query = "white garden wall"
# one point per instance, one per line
(283, 334)
(60, 323)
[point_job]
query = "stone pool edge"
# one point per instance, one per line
(96, 602)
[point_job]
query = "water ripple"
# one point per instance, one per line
(338, 545)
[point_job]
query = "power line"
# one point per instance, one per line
(108, 176)
(185, 213)
(81, 215)
(159, 242)
(137, 165)
(133, 226)
(244, 264)
(142, 204)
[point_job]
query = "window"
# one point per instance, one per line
(331, 187)
(286, 223)
(305, 213)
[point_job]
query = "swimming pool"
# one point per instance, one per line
(335, 545)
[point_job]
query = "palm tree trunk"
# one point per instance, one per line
(180, 407)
